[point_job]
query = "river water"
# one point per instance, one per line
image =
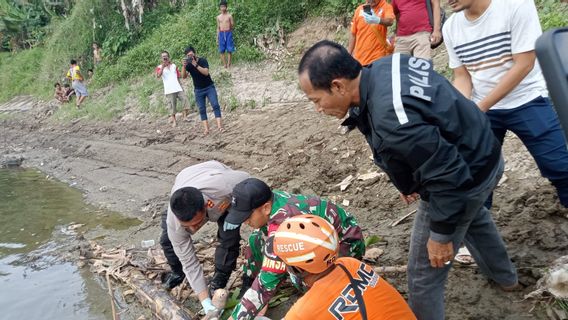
(39, 219)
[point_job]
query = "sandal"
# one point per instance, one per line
(464, 257)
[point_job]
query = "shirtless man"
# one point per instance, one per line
(225, 24)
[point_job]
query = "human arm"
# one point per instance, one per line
(185, 251)
(159, 71)
(436, 35)
(231, 22)
(523, 63)
(272, 273)
(462, 81)
(218, 30)
(203, 68)
(352, 39)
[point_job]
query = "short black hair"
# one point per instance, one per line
(186, 202)
(326, 61)
(90, 70)
(66, 85)
(73, 61)
(57, 84)
(223, 3)
(189, 49)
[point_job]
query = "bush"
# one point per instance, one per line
(18, 73)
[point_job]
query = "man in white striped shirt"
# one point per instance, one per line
(491, 48)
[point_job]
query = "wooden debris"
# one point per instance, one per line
(113, 307)
(369, 176)
(343, 185)
(397, 222)
(345, 202)
(390, 269)
(373, 254)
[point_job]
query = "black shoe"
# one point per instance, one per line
(247, 283)
(171, 280)
(219, 280)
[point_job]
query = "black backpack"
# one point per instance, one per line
(431, 18)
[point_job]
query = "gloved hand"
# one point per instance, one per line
(371, 18)
(211, 312)
(229, 226)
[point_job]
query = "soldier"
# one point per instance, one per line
(201, 193)
(255, 204)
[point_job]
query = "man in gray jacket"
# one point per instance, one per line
(201, 193)
(432, 142)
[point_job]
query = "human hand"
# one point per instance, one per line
(229, 226)
(440, 254)
(371, 18)
(194, 61)
(408, 199)
(211, 312)
(436, 37)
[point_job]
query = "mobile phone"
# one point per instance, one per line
(367, 8)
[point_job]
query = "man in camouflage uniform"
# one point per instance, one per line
(254, 203)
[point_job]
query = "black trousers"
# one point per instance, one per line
(226, 253)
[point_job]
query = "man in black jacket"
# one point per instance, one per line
(432, 142)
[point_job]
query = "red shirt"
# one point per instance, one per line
(412, 16)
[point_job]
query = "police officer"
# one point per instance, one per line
(433, 143)
(201, 193)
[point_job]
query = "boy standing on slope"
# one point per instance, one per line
(225, 24)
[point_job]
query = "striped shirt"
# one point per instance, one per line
(485, 47)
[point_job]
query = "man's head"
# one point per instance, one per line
(73, 62)
(90, 72)
(165, 56)
(251, 203)
(329, 76)
(57, 85)
(95, 45)
(66, 86)
(188, 206)
(189, 51)
(307, 243)
(223, 6)
(372, 2)
(459, 5)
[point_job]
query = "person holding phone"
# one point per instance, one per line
(203, 85)
(368, 36)
(169, 74)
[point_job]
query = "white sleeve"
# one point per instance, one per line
(525, 27)
(454, 60)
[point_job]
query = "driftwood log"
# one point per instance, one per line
(117, 263)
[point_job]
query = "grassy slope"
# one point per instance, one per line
(126, 76)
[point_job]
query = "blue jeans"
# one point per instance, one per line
(536, 124)
(479, 233)
(211, 94)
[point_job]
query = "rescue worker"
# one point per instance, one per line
(201, 193)
(255, 204)
(434, 144)
(339, 288)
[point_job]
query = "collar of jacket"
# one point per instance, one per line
(357, 114)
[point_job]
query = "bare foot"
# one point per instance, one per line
(205, 132)
(221, 129)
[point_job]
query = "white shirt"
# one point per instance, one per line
(170, 79)
(485, 46)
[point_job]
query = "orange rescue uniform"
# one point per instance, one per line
(370, 39)
(332, 297)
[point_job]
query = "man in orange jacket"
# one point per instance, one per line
(340, 288)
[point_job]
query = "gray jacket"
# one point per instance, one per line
(216, 181)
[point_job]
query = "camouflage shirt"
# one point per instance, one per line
(273, 269)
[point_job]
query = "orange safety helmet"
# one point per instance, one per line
(307, 242)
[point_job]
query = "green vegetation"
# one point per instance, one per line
(44, 35)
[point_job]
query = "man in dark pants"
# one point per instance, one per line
(201, 193)
(432, 142)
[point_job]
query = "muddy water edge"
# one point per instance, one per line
(41, 223)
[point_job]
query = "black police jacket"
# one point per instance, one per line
(425, 135)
